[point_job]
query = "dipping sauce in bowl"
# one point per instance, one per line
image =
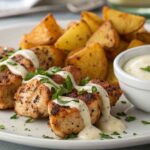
(138, 67)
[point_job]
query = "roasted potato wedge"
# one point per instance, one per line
(143, 36)
(122, 46)
(91, 60)
(93, 20)
(57, 57)
(124, 23)
(135, 43)
(111, 78)
(25, 44)
(106, 36)
(75, 37)
(47, 32)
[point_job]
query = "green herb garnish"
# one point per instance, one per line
(147, 68)
(27, 129)
(121, 114)
(94, 89)
(55, 69)
(2, 127)
(130, 118)
(123, 102)
(134, 134)
(3, 59)
(84, 81)
(29, 120)
(145, 122)
(105, 136)
(115, 133)
(124, 132)
(14, 116)
(71, 136)
(68, 85)
(57, 92)
(11, 63)
(47, 137)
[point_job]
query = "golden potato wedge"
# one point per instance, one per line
(124, 23)
(122, 46)
(75, 37)
(47, 32)
(24, 43)
(106, 36)
(111, 78)
(57, 57)
(135, 43)
(73, 52)
(91, 60)
(93, 20)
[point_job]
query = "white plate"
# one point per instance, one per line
(17, 131)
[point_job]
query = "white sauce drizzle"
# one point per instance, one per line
(17, 68)
(28, 54)
(49, 85)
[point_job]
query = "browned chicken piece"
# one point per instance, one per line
(32, 99)
(26, 94)
(113, 90)
(9, 84)
(4, 51)
(10, 87)
(65, 120)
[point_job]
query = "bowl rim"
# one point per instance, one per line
(120, 73)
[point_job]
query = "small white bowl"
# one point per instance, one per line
(137, 91)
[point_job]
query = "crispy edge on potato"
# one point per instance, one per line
(122, 47)
(46, 32)
(106, 36)
(74, 37)
(124, 23)
(91, 61)
(93, 20)
(135, 43)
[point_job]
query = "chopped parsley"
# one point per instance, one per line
(47, 137)
(29, 120)
(119, 137)
(27, 129)
(94, 89)
(147, 68)
(55, 69)
(14, 116)
(71, 136)
(2, 127)
(124, 132)
(134, 134)
(121, 114)
(145, 122)
(68, 85)
(123, 102)
(105, 136)
(84, 81)
(11, 63)
(57, 92)
(115, 133)
(130, 118)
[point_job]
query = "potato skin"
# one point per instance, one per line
(124, 23)
(92, 20)
(74, 37)
(106, 36)
(91, 61)
(46, 32)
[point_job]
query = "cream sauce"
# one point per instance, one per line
(28, 54)
(134, 65)
(40, 77)
(15, 67)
